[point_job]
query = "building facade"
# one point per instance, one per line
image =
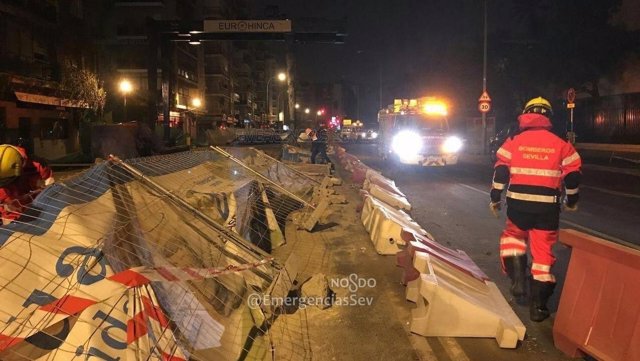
(41, 42)
(126, 31)
(115, 41)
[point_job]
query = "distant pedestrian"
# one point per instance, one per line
(319, 140)
(534, 163)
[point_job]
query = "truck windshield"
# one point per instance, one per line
(422, 122)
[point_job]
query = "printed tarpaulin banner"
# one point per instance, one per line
(105, 266)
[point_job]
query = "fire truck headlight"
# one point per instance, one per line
(374, 135)
(407, 144)
(452, 145)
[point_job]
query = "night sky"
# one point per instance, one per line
(418, 47)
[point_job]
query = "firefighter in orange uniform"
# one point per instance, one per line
(21, 178)
(535, 164)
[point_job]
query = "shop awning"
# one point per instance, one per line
(49, 100)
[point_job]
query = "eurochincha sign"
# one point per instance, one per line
(247, 26)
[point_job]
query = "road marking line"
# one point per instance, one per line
(615, 193)
(473, 188)
(576, 225)
(453, 349)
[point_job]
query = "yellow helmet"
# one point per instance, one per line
(538, 105)
(10, 164)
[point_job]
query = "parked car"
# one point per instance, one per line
(368, 135)
(348, 134)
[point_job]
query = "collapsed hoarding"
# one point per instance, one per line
(147, 260)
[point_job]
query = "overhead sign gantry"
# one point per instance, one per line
(247, 26)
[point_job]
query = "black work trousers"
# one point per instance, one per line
(319, 148)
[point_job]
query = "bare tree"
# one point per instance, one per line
(84, 86)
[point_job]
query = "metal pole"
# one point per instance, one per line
(358, 103)
(167, 87)
(235, 238)
(268, 101)
(125, 107)
(573, 135)
(571, 120)
(274, 184)
(379, 85)
(484, 82)
(278, 107)
(152, 73)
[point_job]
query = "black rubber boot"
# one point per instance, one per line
(516, 267)
(540, 293)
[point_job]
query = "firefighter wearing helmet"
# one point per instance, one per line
(21, 178)
(535, 167)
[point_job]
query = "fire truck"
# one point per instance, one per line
(416, 132)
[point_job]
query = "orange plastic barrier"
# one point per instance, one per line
(599, 312)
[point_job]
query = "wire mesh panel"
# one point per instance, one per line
(119, 265)
(257, 136)
(276, 171)
(234, 193)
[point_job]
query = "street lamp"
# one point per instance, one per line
(125, 88)
(307, 110)
(281, 77)
(297, 106)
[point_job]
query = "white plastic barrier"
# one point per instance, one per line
(386, 225)
(451, 303)
(389, 197)
(374, 177)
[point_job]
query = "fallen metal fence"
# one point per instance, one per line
(163, 257)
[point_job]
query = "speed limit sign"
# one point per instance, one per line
(484, 107)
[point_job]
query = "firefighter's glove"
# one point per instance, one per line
(495, 208)
(11, 206)
(43, 183)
